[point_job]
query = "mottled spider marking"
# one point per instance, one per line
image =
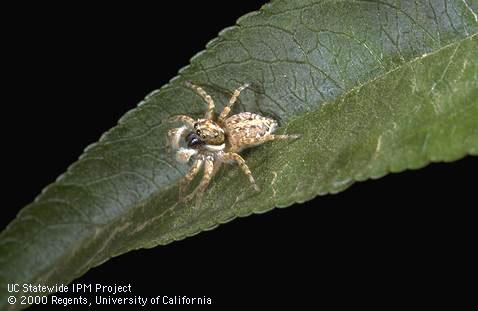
(245, 129)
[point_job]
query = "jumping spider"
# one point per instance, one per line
(211, 141)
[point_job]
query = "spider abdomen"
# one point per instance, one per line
(244, 128)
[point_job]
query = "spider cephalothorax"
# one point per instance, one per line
(209, 141)
(209, 131)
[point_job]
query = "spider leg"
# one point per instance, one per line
(207, 98)
(232, 101)
(217, 166)
(232, 156)
(186, 180)
(206, 179)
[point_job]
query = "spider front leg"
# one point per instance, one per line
(207, 98)
(206, 179)
(186, 180)
(232, 156)
(232, 101)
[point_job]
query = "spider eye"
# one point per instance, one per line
(193, 140)
(198, 132)
(195, 125)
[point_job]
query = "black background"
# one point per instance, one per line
(69, 73)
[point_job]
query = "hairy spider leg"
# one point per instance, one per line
(207, 98)
(231, 156)
(225, 112)
(186, 180)
(206, 179)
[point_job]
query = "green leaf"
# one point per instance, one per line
(372, 87)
